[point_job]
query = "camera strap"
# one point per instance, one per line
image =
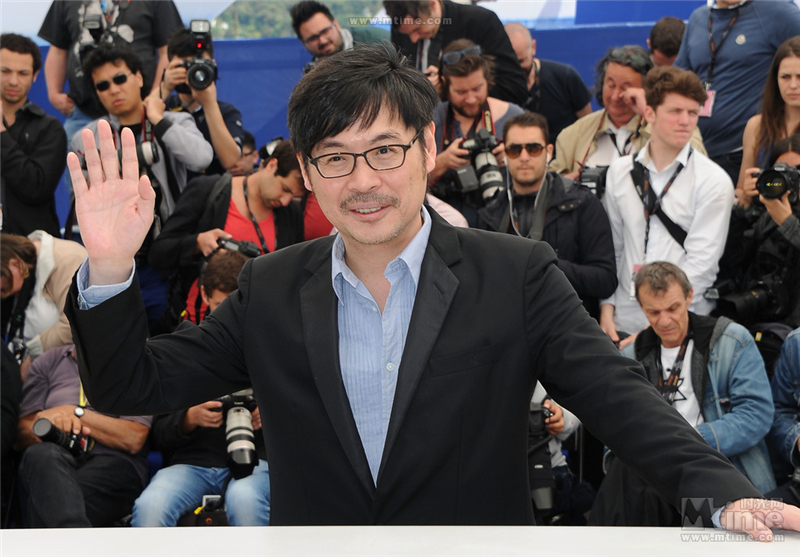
(714, 47)
(669, 387)
(15, 333)
(625, 148)
(652, 203)
(449, 124)
(264, 248)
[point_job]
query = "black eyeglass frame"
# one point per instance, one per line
(315, 160)
(512, 153)
(318, 36)
(118, 79)
(455, 56)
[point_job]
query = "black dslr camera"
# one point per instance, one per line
(243, 246)
(540, 467)
(594, 178)
(200, 72)
(237, 408)
(766, 299)
(483, 172)
(92, 33)
(74, 443)
(146, 154)
(773, 182)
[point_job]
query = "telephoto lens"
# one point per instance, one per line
(46, 431)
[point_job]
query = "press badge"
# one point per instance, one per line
(636, 269)
(708, 106)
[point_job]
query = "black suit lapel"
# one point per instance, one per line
(435, 292)
(318, 306)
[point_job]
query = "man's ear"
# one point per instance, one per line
(35, 75)
(304, 172)
(533, 47)
(690, 297)
(430, 146)
(204, 296)
(649, 114)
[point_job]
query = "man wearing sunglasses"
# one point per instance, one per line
(170, 141)
(395, 381)
(546, 206)
(322, 35)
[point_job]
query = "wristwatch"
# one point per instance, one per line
(79, 411)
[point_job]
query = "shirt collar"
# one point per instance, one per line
(412, 255)
(643, 156)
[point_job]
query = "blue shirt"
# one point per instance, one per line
(371, 343)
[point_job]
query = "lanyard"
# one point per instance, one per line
(449, 124)
(625, 148)
(651, 203)
(264, 248)
(669, 388)
(714, 46)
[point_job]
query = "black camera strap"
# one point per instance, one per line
(264, 248)
(652, 203)
(15, 333)
(714, 47)
(449, 124)
(669, 387)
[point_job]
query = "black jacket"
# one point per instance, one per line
(484, 28)
(576, 227)
(33, 153)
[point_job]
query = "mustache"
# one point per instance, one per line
(362, 198)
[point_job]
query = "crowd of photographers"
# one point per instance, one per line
(673, 210)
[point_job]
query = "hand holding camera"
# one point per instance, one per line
(207, 241)
(206, 414)
(453, 157)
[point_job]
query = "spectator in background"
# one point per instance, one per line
(37, 271)
(218, 121)
(665, 40)
(64, 490)
(666, 202)
(322, 35)
(32, 144)
(195, 445)
(555, 90)
(257, 208)
(146, 25)
(248, 162)
(784, 437)
(547, 206)
(779, 117)
(115, 72)
(467, 76)
(422, 28)
(743, 36)
(617, 129)
(710, 371)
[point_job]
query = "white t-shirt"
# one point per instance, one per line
(685, 400)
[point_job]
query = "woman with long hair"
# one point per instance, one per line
(779, 117)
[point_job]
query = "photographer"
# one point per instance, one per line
(257, 208)
(784, 437)
(467, 113)
(169, 145)
(764, 245)
(73, 29)
(94, 487)
(195, 446)
(191, 51)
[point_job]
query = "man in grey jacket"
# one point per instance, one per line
(168, 144)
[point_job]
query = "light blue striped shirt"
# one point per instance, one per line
(371, 343)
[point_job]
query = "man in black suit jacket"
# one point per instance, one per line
(491, 314)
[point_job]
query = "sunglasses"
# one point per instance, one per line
(117, 79)
(513, 150)
(456, 56)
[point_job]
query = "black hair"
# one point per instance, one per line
(666, 35)
(286, 156)
(631, 56)
(110, 53)
(183, 44)
(355, 86)
(22, 45)
(789, 144)
(248, 140)
(303, 11)
(528, 120)
(397, 9)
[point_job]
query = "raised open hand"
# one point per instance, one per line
(114, 213)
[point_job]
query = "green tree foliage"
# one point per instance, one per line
(252, 19)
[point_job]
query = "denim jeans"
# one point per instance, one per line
(178, 489)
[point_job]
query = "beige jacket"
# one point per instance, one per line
(577, 142)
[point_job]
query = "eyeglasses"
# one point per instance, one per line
(385, 157)
(248, 154)
(456, 56)
(513, 150)
(315, 38)
(118, 79)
